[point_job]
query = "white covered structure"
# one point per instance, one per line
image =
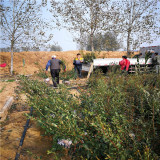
(104, 62)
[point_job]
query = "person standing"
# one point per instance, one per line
(55, 69)
(125, 63)
(156, 62)
(140, 55)
(78, 61)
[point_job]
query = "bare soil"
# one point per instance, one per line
(38, 60)
(7, 89)
(35, 145)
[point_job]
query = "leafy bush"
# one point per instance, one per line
(67, 75)
(114, 69)
(88, 57)
(115, 118)
(41, 73)
(126, 105)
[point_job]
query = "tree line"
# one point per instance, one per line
(20, 49)
(106, 42)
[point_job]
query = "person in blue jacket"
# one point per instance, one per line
(55, 69)
(78, 65)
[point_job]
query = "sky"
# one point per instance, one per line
(64, 38)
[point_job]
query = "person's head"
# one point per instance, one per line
(54, 57)
(78, 55)
(124, 57)
(156, 54)
(152, 51)
(140, 54)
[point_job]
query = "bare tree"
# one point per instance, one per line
(84, 16)
(137, 21)
(21, 24)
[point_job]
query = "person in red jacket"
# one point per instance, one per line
(124, 64)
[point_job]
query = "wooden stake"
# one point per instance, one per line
(90, 70)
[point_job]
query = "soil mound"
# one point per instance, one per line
(31, 61)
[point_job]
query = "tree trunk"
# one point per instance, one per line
(11, 60)
(13, 39)
(128, 42)
(91, 43)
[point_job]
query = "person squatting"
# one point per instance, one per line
(125, 63)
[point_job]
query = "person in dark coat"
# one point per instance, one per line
(156, 62)
(78, 61)
(55, 69)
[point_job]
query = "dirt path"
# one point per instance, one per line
(6, 90)
(77, 85)
(35, 145)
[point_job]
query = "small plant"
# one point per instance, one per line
(88, 57)
(63, 64)
(10, 80)
(31, 155)
(36, 63)
(41, 73)
(147, 56)
(114, 69)
(2, 89)
(68, 75)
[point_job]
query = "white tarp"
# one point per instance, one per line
(115, 61)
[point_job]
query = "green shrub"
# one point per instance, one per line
(88, 57)
(114, 69)
(68, 75)
(41, 73)
(115, 118)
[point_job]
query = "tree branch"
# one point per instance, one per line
(7, 23)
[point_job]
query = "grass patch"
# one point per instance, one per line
(1, 90)
(10, 80)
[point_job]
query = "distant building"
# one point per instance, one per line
(143, 50)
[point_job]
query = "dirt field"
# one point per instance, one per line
(35, 146)
(38, 60)
(7, 89)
